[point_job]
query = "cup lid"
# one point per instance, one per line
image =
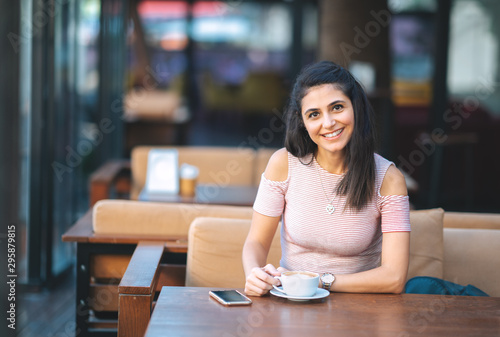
(189, 171)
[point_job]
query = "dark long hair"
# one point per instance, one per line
(359, 181)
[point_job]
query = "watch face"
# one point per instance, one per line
(327, 278)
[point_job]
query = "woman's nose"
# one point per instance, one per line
(328, 121)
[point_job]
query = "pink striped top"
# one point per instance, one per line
(344, 242)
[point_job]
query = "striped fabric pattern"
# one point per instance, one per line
(347, 241)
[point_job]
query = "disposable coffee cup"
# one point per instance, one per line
(298, 283)
(188, 179)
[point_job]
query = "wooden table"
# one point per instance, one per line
(188, 311)
(210, 194)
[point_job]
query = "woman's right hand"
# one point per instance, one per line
(261, 280)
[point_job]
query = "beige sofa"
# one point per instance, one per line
(218, 165)
(229, 165)
(459, 247)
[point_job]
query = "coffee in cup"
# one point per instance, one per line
(188, 179)
(298, 283)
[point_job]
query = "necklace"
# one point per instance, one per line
(329, 207)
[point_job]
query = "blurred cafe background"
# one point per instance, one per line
(83, 82)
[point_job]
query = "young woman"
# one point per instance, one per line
(344, 208)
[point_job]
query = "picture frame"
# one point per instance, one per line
(162, 175)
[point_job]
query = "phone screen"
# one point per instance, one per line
(230, 297)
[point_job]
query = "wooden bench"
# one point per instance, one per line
(101, 261)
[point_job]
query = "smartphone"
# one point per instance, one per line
(230, 297)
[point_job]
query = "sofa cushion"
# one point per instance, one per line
(154, 105)
(218, 165)
(472, 257)
(128, 217)
(471, 220)
(214, 252)
(426, 243)
(261, 159)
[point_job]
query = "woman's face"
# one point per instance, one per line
(328, 116)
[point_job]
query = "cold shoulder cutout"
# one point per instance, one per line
(277, 167)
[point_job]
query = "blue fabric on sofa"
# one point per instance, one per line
(433, 285)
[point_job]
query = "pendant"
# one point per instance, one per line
(330, 209)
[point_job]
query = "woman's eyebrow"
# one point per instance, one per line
(310, 110)
(335, 103)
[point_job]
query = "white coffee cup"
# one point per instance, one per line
(298, 283)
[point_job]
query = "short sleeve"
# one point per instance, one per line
(395, 213)
(270, 200)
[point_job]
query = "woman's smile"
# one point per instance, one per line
(334, 134)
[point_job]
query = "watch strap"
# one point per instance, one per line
(327, 285)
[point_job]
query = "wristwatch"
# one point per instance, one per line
(327, 280)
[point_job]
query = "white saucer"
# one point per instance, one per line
(320, 293)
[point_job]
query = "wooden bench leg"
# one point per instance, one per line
(82, 288)
(134, 314)
(85, 299)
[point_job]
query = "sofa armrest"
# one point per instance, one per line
(137, 288)
(114, 173)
